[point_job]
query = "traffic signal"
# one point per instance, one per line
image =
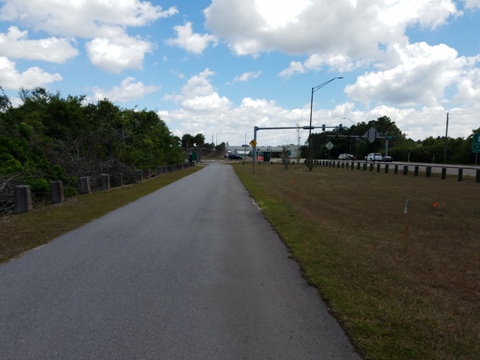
(323, 127)
(340, 127)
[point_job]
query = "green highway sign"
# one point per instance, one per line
(476, 143)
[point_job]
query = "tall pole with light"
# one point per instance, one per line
(315, 88)
(245, 145)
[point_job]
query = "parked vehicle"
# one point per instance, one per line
(387, 158)
(374, 157)
(234, 157)
(346, 157)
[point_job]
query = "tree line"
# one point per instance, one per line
(430, 150)
(50, 137)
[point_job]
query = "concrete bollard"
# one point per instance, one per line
(84, 185)
(428, 171)
(23, 199)
(58, 194)
(104, 181)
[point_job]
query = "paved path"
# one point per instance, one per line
(192, 271)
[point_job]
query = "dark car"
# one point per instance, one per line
(387, 158)
(234, 157)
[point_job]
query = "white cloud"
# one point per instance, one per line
(186, 39)
(14, 44)
(414, 75)
(86, 19)
(294, 68)
(11, 79)
(247, 76)
(104, 22)
(325, 27)
(204, 110)
(340, 63)
(127, 91)
(117, 54)
(472, 4)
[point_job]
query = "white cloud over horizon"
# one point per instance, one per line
(254, 60)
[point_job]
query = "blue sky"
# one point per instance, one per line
(222, 67)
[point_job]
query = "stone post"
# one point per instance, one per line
(23, 199)
(84, 186)
(104, 181)
(58, 194)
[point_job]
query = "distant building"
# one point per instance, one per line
(273, 151)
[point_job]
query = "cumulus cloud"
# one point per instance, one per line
(117, 54)
(86, 19)
(417, 74)
(103, 23)
(127, 91)
(15, 44)
(12, 79)
(191, 42)
(345, 27)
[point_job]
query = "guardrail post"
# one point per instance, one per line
(358, 166)
(396, 169)
(460, 174)
(386, 168)
(56, 187)
(23, 199)
(378, 168)
(477, 178)
(429, 171)
(364, 167)
(416, 170)
(405, 169)
(444, 173)
(371, 167)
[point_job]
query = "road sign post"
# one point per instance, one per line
(476, 143)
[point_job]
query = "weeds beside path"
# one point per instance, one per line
(347, 229)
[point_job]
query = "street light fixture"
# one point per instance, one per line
(245, 145)
(318, 87)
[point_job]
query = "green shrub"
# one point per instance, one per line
(39, 185)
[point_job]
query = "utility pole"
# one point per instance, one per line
(446, 140)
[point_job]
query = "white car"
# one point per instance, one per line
(346, 157)
(374, 157)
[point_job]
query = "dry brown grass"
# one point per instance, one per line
(347, 228)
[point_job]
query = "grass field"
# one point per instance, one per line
(399, 294)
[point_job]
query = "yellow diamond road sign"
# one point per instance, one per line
(253, 143)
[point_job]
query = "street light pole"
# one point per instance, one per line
(315, 88)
